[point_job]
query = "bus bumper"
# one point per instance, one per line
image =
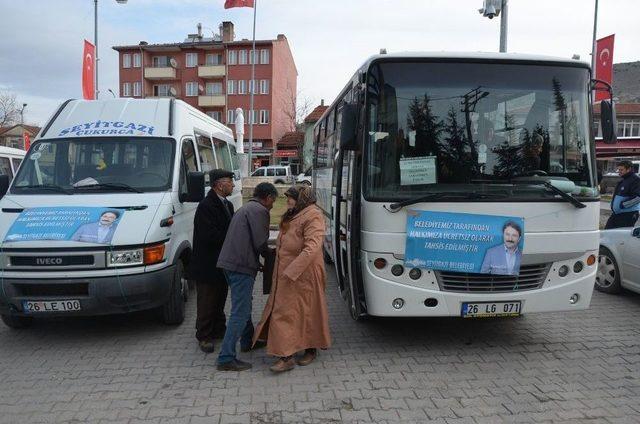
(553, 296)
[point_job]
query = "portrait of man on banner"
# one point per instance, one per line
(100, 231)
(504, 259)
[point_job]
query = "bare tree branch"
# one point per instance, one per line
(295, 107)
(9, 111)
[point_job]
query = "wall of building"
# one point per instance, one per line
(285, 88)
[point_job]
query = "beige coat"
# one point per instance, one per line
(295, 317)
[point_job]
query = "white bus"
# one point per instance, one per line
(507, 135)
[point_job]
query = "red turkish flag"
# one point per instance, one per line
(88, 75)
(228, 4)
(604, 64)
(26, 139)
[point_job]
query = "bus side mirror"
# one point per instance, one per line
(195, 188)
(608, 122)
(4, 185)
(348, 127)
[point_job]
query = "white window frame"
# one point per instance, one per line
(126, 89)
(159, 91)
(191, 89)
(232, 57)
(264, 86)
(231, 86)
(137, 89)
(252, 55)
(126, 61)
(264, 57)
(242, 87)
(253, 87)
(264, 117)
(231, 116)
(255, 117)
(242, 57)
(215, 114)
(191, 60)
(212, 92)
(137, 60)
(211, 62)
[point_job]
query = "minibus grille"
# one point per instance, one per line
(531, 277)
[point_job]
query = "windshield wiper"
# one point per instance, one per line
(111, 186)
(547, 184)
(395, 207)
(52, 187)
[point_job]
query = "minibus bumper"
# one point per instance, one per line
(96, 295)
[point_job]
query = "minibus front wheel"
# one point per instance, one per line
(17, 322)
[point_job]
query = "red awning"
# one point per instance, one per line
(286, 153)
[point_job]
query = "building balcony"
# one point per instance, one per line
(209, 101)
(211, 71)
(160, 73)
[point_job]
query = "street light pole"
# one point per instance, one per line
(22, 113)
(503, 26)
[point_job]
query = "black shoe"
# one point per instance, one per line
(234, 365)
(259, 345)
(206, 346)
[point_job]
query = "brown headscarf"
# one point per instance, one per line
(304, 197)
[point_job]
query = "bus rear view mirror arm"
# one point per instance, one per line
(607, 112)
(4, 185)
(195, 188)
(348, 127)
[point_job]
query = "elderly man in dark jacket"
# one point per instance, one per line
(248, 237)
(210, 226)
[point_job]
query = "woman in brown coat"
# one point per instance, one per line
(295, 317)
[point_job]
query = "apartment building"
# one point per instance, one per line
(213, 74)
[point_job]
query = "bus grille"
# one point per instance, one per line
(531, 277)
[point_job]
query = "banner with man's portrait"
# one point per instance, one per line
(447, 241)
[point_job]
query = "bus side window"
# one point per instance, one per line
(205, 151)
(188, 162)
(222, 155)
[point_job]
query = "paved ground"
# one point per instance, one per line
(581, 367)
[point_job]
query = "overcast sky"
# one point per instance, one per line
(41, 40)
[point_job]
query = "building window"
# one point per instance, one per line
(191, 89)
(137, 60)
(264, 116)
(252, 56)
(126, 89)
(137, 89)
(217, 115)
(126, 60)
(264, 57)
(264, 86)
(231, 116)
(214, 59)
(232, 58)
(231, 87)
(254, 117)
(253, 87)
(160, 61)
(192, 60)
(628, 127)
(161, 90)
(243, 57)
(242, 87)
(214, 88)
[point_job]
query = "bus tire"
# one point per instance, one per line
(172, 312)
(608, 275)
(17, 322)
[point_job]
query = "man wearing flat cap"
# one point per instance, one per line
(210, 227)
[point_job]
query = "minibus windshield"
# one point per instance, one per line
(87, 165)
(476, 127)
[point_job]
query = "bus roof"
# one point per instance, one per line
(123, 117)
(478, 56)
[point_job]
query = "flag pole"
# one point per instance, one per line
(593, 49)
(252, 85)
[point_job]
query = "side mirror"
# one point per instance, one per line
(608, 122)
(4, 185)
(636, 232)
(195, 188)
(348, 127)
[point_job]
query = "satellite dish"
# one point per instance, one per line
(173, 63)
(200, 88)
(172, 91)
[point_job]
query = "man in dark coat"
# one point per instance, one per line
(210, 227)
(626, 198)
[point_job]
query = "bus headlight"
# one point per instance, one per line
(397, 270)
(563, 271)
(415, 273)
(577, 267)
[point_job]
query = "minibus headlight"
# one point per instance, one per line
(116, 258)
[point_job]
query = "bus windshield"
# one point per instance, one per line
(476, 127)
(85, 165)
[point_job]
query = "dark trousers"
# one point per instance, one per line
(620, 220)
(210, 320)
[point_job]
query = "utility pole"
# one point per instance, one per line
(503, 26)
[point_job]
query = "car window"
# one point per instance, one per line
(207, 161)
(222, 154)
(281, 172)
(5, 167)
(271, 172)
(258, 172)
(189, 155)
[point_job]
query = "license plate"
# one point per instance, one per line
(491, 309)
(35, 306)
